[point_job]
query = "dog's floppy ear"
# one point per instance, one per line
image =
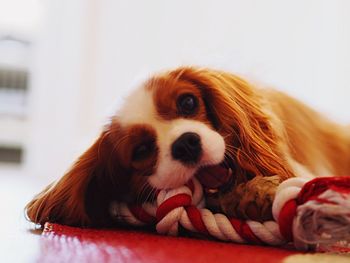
(81, 197)
(239, 112)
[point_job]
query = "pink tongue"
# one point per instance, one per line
(213, 176)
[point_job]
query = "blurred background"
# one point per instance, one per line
(65, 65)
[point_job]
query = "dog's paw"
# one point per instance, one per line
(251, 200)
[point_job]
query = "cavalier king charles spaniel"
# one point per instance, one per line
(190, 119)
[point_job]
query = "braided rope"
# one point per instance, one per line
(185, 206)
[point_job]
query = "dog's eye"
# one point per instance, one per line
(187, 104)
(142, 151)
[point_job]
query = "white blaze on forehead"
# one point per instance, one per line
(138, 108)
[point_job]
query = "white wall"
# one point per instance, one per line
(91, 52)
(56, 90)
(299, 46)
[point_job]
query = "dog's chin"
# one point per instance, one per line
(171, 177)
(180, 174)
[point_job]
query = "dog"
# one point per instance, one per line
(188, 119)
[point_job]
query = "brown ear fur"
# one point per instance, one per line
(92, 178)
(252, 134)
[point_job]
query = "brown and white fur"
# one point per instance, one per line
(259, 133)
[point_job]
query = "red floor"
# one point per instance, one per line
(66, 244)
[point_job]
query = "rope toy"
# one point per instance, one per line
(309, 215)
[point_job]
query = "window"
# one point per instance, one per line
(13, 91)
(14, 54)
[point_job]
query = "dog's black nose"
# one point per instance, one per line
(187, 148)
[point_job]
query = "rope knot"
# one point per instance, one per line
(172, 206)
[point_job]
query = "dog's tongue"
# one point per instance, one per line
(213, 176)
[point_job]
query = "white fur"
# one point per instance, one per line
(171, 173)
(139, 109)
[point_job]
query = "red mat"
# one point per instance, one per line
(67, 244)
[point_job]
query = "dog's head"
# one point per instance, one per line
(171, 126)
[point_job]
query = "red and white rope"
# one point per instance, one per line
(185, 206)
